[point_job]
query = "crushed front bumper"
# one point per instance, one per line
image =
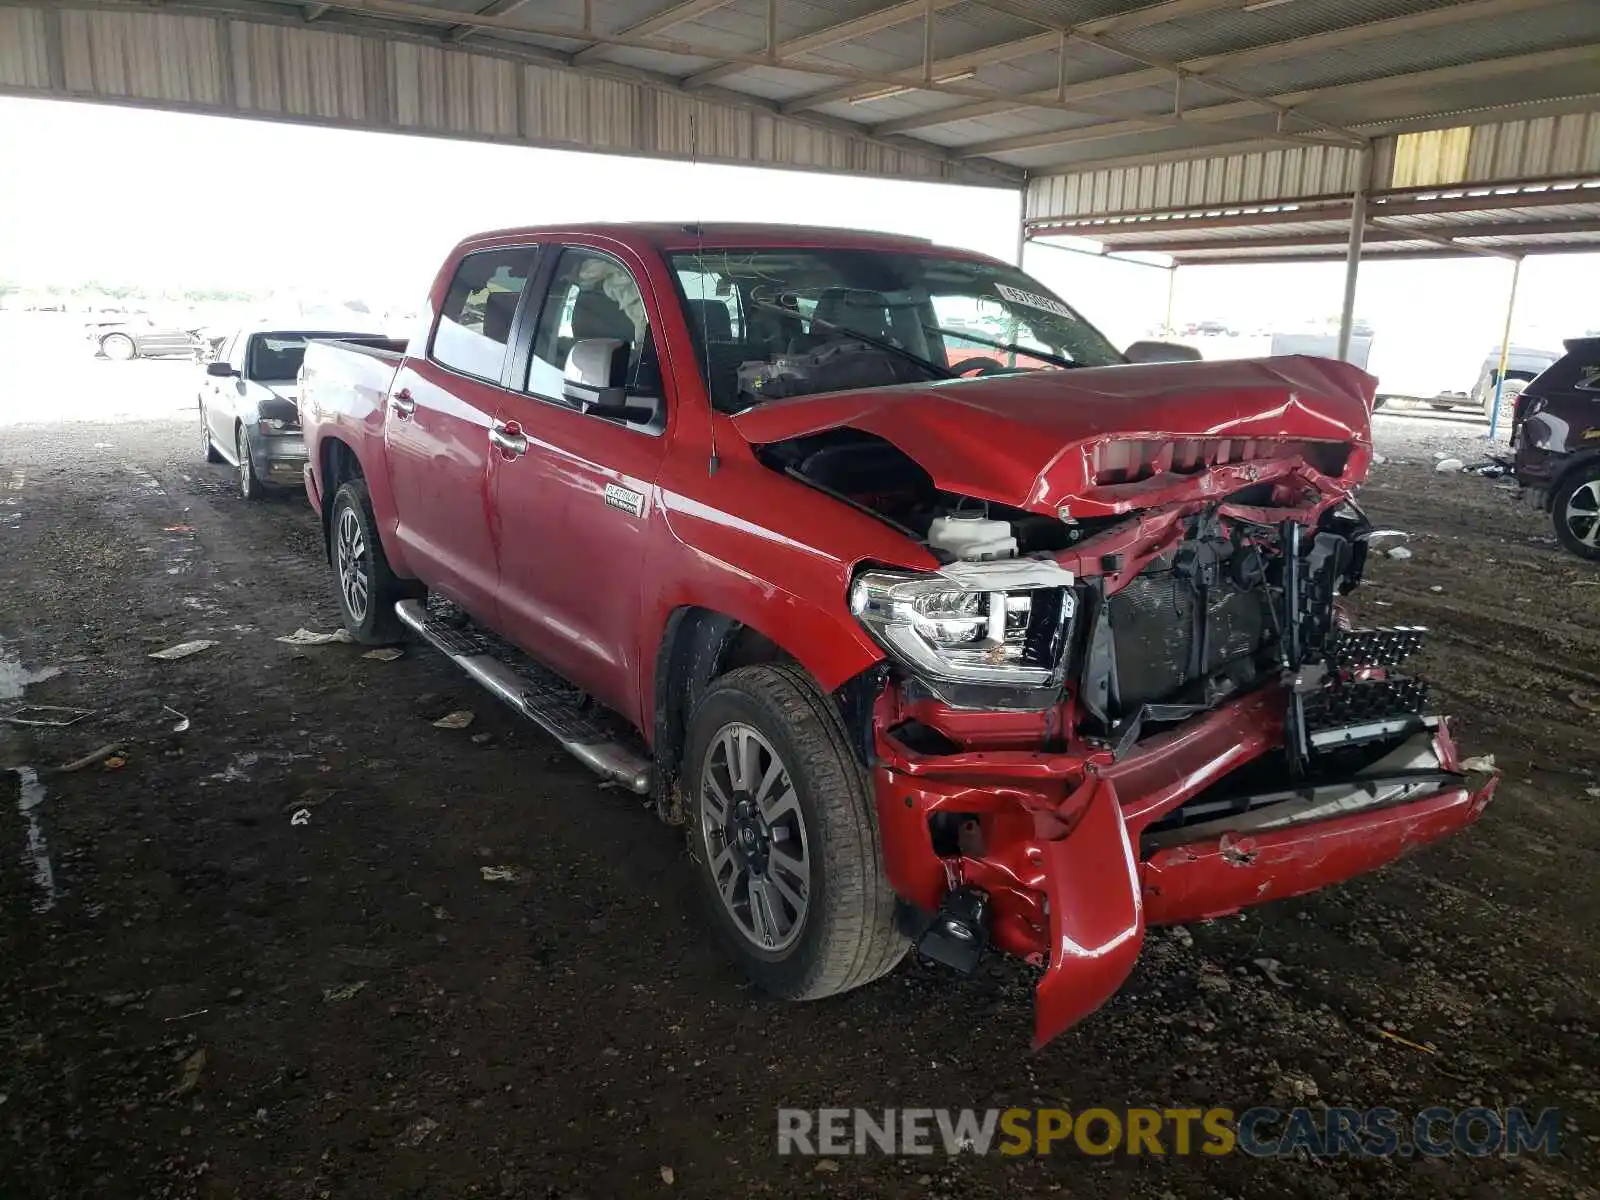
(1072, 877)
(279, 457)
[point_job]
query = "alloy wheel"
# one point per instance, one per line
(350, 559)
(1583, 513)
(755, 836)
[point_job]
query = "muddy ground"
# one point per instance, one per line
(201, 997)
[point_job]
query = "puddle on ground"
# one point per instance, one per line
(36, 853)
(14, 676)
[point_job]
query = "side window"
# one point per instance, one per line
(475, 319)
(592, 295)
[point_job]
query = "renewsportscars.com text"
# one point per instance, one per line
(1260, 1132)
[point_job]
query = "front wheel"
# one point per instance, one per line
(207, 443)
(1575, 509)
(250, 486)
(784, 836)
(367, 588)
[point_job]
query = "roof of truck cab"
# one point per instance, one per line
(690, 235)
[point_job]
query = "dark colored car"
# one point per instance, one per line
(1556, 436)
(140, 337)
(249, 411)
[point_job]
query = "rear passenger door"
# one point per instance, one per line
(576, 493)
(441, 409)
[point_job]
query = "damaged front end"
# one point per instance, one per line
(1146, 715)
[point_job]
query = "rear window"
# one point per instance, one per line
(475, 318)
(1578, 370)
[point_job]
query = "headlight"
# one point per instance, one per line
(972, 623)
(273, 425)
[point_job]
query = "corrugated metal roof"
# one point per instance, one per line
(1117, 57)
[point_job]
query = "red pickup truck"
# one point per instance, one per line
(1031, 648)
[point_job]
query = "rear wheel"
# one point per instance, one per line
(118, 346)
(366, 587)
(1575, 509)
(784, 837)
(1508, 404)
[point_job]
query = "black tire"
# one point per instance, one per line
(119, 347)
(250, 485)
(1577, 494)
(1508, 405)
(847, 935)
(213, 455)
(375, 624)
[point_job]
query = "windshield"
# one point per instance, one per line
(276, 356)
(774, 323)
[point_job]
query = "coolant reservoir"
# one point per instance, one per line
(972, 537)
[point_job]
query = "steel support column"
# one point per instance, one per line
(1352, 259)
(1505, 348)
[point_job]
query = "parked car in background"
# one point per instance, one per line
(249, 415)
(138, 336)
(1556, 437)
(1034, 658)
(1522, 366)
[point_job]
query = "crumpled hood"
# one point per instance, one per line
(1028, 440)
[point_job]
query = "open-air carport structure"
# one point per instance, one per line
(1207, 130)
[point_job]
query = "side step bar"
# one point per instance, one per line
(543, 704)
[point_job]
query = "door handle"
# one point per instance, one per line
(509, 439)
(403, 403)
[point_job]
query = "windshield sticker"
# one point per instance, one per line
(1043, 303)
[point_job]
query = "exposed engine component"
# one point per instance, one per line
(971, 536)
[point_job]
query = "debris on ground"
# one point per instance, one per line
(455, 720)
(667, 1176)
(1482, 763)
(308, 637)
(98, 755)
(46, 716)
(418, 1132)
(347, 991)
(115, 763)
(1592, 792)
(1378, 460)
(1448, 465)
(501, 874)
(300, 816)
(1182, 936)
(1269, 968)
(177, 529)
(192, 1066)
(183, 722)
(1587, 703)
(1399, 553)
(1427, 1048)
(183, 650)
(385, 653)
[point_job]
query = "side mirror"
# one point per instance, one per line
(220, 369)
(596, 379)
(1154, 352)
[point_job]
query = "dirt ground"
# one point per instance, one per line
(201, 997)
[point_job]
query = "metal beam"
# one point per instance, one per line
(1505, 349)
(1377, 232)
(662, 21)
(498, 8)
(1234, 110)
(1038, 43)
(406, 10)
(831, 35)
(313, 11)
(1321, 43)
(1321, 256)
(1352, 257)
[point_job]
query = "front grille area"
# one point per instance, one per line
(1160, 649)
